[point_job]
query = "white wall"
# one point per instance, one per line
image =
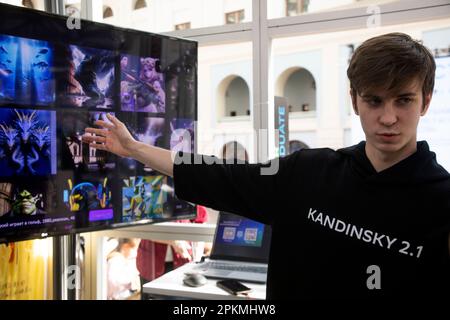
(215, 64)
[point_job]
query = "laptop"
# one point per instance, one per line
(240, 250)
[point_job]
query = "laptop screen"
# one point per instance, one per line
(239, 238)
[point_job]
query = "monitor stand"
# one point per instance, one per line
(66, 270)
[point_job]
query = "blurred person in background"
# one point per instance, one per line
(122, 275)
(157, 257)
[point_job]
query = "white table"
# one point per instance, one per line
(171, 284)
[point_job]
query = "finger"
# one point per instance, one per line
(86, 139)
(104, 124)
(101, 132)
(97, 146)
(95, 139)
(113, 119)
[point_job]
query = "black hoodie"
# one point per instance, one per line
(339, 228)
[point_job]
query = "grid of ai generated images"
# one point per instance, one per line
(49, 94)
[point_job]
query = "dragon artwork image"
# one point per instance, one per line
(26, 144)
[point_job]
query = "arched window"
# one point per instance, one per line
(107, 12)
(237, 98)
(234, 150)
(296, 145)
(28, 4)
(139, 4)
(300, 91)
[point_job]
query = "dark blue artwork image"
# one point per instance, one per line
(26, 71)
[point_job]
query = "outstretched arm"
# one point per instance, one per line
(243, 189)
(115, 137)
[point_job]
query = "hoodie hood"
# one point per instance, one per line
(419, 168)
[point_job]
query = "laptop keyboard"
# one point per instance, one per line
(224, 266)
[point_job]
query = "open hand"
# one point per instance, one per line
(113, 137)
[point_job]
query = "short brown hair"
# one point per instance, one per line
(391, 61)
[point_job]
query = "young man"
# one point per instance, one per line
(371, 220)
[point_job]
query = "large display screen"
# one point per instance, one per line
(55, 82)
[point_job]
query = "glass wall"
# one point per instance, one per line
(32, 4)
(164, 16)
(291, 8)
